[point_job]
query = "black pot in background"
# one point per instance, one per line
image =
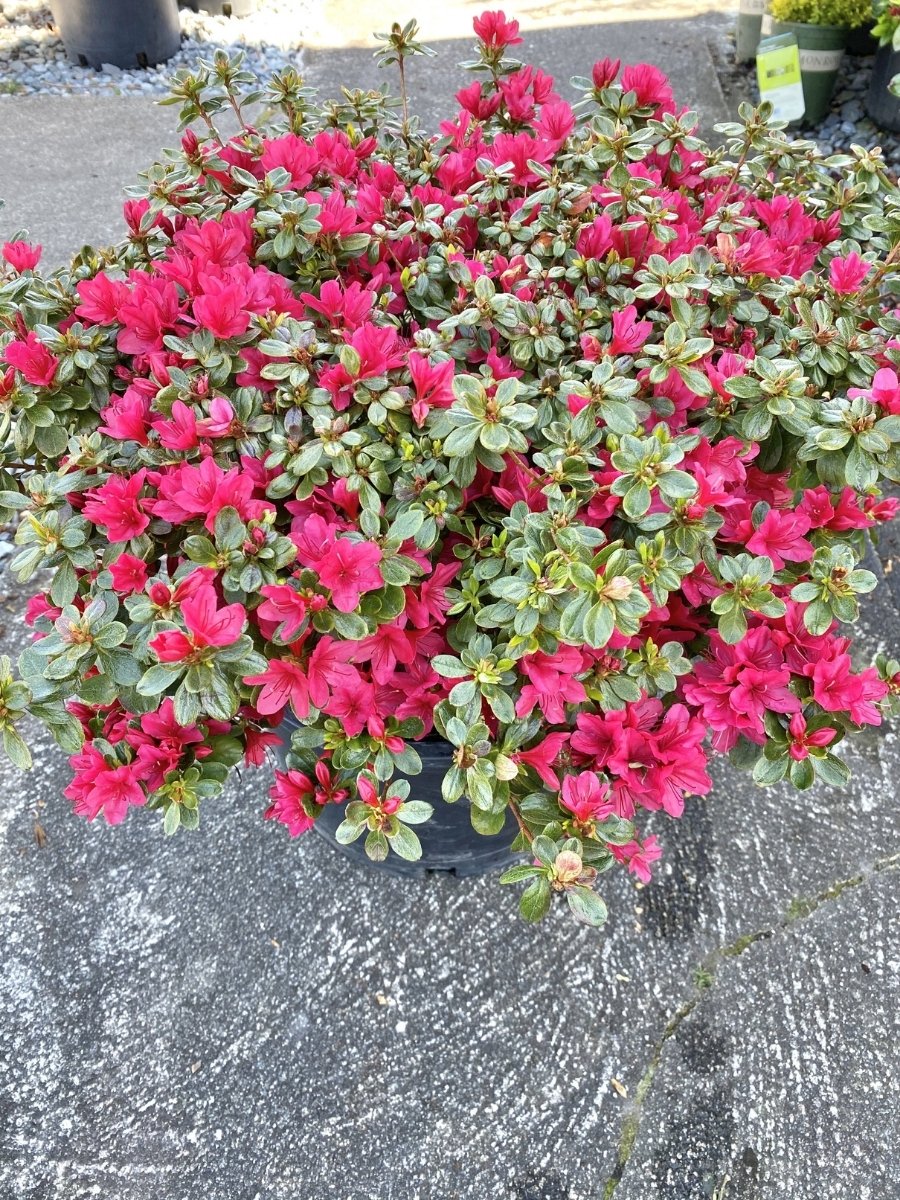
(881, 105)
(126, 33)
(222, 8)
(860, 41)
(449, 843)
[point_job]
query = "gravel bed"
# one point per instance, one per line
(847, 122)
(33, 60)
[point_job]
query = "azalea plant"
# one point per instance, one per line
(557, 434)
(887, 24)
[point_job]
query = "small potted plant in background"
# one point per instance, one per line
(556, 437)
(748, 29)
(882, 103)
(821, 28)
(125, 33)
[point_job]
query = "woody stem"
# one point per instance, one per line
(403, 97)
(237, 109)
(523, 828)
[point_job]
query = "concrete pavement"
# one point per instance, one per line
(66, 159)
(237, 1016)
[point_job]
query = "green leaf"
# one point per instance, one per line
(190, 818)
(415, 812)
(599, 623)
(172, 819)
(406, 525)
(384, 764)
(818, 617)
(615, 831)
(732, 626)
(66, 732)
(860, 471)
(376, 846)
(350, 626)
(453, 785)
(348, 831)
(479, 788)
(489, 822)
(582, 576)
(308, 458)
(636, 500)
(16, 750)
(518, 873)
(230, 529)
(200, 550)
(535, 900)
(123, 667)
(156, 679)
(571, 624)
(64, 585)
(461, 441)
(832, 770)
(405, 843)
(448, 666)
(462, 694)
(804, 592)
(677, 485)
(14, 500)
(767, 771)
(587, 906)
(98, 689)
(494, 437)
(500, 702)
(544, 850)
(801, 774)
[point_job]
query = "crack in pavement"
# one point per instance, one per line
(798, 910)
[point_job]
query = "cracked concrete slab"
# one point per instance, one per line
(784, 1077)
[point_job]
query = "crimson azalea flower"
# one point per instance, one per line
(349, 569)
(32, 360)
(21, 256)
(284, 683)
(496, 31)
(207, 624)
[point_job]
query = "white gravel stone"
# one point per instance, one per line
(35, 63)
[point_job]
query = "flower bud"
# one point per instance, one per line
(568, 867)
(505, 768)
(619, 587)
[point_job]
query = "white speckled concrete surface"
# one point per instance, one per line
(233, 1015)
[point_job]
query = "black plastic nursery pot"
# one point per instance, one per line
(125, 33)
(222, 8)
(449, 843)
(821, 50)
(861, 41)
(881, 105)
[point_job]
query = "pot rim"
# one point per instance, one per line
(807, 25)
